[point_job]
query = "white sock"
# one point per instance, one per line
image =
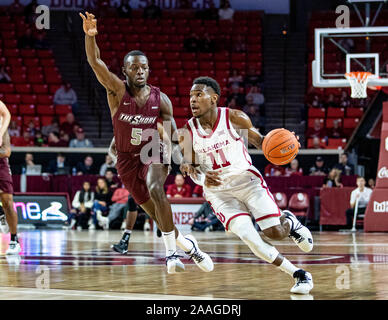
(127, 231)
(288, 267)
(183, 243)
(169, 242)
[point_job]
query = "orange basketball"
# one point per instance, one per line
(280, 146)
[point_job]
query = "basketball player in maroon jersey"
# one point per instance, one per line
(6, 186)
(135, 107)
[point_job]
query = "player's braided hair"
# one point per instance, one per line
(134, 53)
(210, 82)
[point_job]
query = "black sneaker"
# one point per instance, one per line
(121, 247)
(158, 233)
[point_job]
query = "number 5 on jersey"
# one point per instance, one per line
(224, 163)
(136, 136)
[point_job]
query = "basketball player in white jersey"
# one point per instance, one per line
(216, 157)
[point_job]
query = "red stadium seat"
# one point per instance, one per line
(14, 52)
(53, 79)
(46, 53)
(35, 78)
(177, 73)
(188, 56)
(13, 109)
(7, 88)
(330, 121)
(45, 120)
(27, 119)
(335, 112)
(28, 98)
(45, 99)
(19, 78)
(316, 112)
(351, 123)
(12, 98)
(27, 109)
(62, 109)
(31, 62)
(299, 204)
(281, 200)
(168, 81)
(53, 88)
(336, 143)
(169, 90)
(23, 88)
(180, 122)
(28, 53)
(310, 122)
(182, 112)
(184, 91)
(47, 62)
(174, 64)
(310, 144)
(40, 88)
(206, 65)
(44, 109)
(192, 65)
(354, 112)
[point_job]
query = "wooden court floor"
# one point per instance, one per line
(63, 264)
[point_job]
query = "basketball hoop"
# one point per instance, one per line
(358, 82)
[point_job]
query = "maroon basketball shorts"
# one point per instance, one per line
(6, 187)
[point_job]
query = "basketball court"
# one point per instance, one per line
(80, 265)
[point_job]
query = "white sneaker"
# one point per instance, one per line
(14, 248)
(174, 264)
(72, 223)
(299, 233)
(4, 228)
(303, 282)
(202, 259)
(102, 221)
(123, 225)
(147, 226)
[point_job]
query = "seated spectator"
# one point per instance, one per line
(86, 166)
(14, 129)
(238, 96)
(179, 189)
(65, 95)
(28, 161)
(316, 102)
(206, 44)
(31, 128)
(331, 102)
(192, 43)
(371, 183)
(119, 202)
(362, 195)
(225, 12)
(64, 136)
(4, 76)
(273, 170)
(80, 141)
(59, 165)
(345, 100)
(318, 131)
(294, 169)
(54, 126)
(124, 10)
(252, 112)
(109, 177)
(54, 140)
(333, 179)
(152, 11)
(16, 8)
(236, 79)
(40, 42)
(39, 140)
(344, 166)
(318, 143)
(205, 219)
(24, 141)
(26, 41)
(255, 93)
(108, 164)
(336, 132)
(238, 44)
(253, 77)
(69, 124)
(198, 191)
(319, 168)
(102, 201)
(81, 206)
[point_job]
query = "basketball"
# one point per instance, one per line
(280, 146)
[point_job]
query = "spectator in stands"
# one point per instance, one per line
(28, 161)
(30, 11)
(102, 201)
(198, 191)
(333, 179)
(26, 40)
(81, 206)
(236, 79)
(124, 10)
(59, 165)
(344, 166)
(317, 131)
(318, 143)
(205, 219)
(319, 168)
(336, 132)
(109, 177)
(371, 183)
(40, 42)
(294, 169)
(316, 102)
(238, 44)
(179, 189)
(86, 166)
(345, 100)
(80, 141)
(252, 112)
(253, 77)
(53, 127)
(14, 129)
(206, 44)
(69, 124)
(4, 76)
(362, 195)
(225, 12)
(31, 127)
(152, 11)
(258, 97)
(331, 102)
(64, 136)
(65, 95)
(54, 140)
(273, 170)
(238, 96)
(119, 202)
(16, 8)
(24, 141)
(191, 44)
(39, 140)
(108, 164)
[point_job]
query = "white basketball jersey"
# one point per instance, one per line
(223, 150)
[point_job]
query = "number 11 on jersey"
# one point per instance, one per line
(225, 163)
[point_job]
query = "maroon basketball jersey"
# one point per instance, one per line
(5, 170)
(130, 121)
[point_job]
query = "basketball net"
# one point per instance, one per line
(358, 82)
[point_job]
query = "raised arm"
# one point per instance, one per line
(109, 80)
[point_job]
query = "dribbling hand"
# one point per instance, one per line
(89, 24)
